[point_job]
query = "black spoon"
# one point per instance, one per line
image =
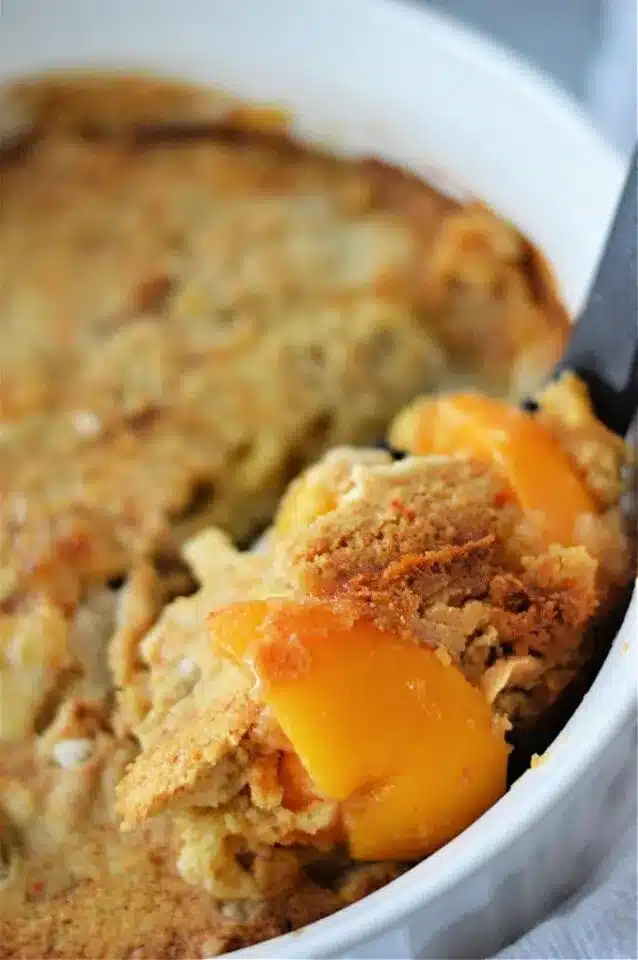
(603, 350)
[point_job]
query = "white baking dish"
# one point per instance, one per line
(397, 81)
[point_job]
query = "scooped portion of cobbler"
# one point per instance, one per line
(344, 696)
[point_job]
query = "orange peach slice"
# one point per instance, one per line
(528, 456)
(380, 723)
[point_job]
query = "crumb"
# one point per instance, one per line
(538, 760)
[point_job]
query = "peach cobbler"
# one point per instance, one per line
(203, 746)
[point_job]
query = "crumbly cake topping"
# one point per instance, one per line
(435, 547)
(242, 304)
(234, 302)
(476, 262)
(118, 898)
(599, 454)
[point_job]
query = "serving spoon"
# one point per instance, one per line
(603, 350)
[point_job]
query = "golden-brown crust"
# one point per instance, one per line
(157, 359)
(188, 747)
(489, 293)
(132, 905)
(423, 541)
(112, 369)
(145, 284)
(110, 103)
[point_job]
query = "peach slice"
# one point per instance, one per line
(380, 723)
(529, 457)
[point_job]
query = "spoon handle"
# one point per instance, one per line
(603, 350)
